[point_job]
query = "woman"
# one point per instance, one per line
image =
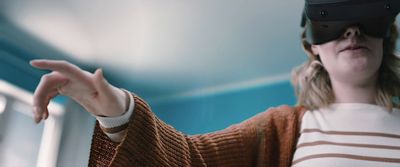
(345, 111)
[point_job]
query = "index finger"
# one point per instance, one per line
(61, 66)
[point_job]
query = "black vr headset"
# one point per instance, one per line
(326, 20)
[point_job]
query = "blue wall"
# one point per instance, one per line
(209, 113)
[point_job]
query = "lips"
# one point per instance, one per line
(353, 47)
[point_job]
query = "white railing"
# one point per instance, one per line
(51, 136)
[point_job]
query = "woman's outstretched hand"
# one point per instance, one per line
(92, 91)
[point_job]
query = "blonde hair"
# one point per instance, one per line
(313, 86)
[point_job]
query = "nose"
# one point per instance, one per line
(352, 32)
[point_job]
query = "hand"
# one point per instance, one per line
(92, 91)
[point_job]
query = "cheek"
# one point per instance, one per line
(327, 54)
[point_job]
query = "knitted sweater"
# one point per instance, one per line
(267, 139)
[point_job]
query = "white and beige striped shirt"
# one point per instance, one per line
(349, 134)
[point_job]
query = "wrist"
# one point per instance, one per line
(123, 99)
(115, 124)
(119, 106)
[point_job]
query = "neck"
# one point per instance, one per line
(348, 93)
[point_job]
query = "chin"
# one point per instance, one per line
(359, 76)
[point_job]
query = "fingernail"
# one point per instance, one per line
(32, 61)
(36, 114)
(37, 120)
(44, 116)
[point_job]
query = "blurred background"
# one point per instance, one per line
(201, 65)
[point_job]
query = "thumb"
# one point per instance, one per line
(101, 84)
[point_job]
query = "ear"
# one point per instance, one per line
(314, 50)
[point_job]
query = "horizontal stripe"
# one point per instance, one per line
(317, 143)
(362, 151)
(114, 129)
(377, 140)
(353, 133)
(369, 119)
(347, 156)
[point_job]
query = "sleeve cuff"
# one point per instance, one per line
(112, 122)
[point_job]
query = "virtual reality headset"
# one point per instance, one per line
(326, 20)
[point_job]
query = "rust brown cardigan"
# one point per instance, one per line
(267, 139)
